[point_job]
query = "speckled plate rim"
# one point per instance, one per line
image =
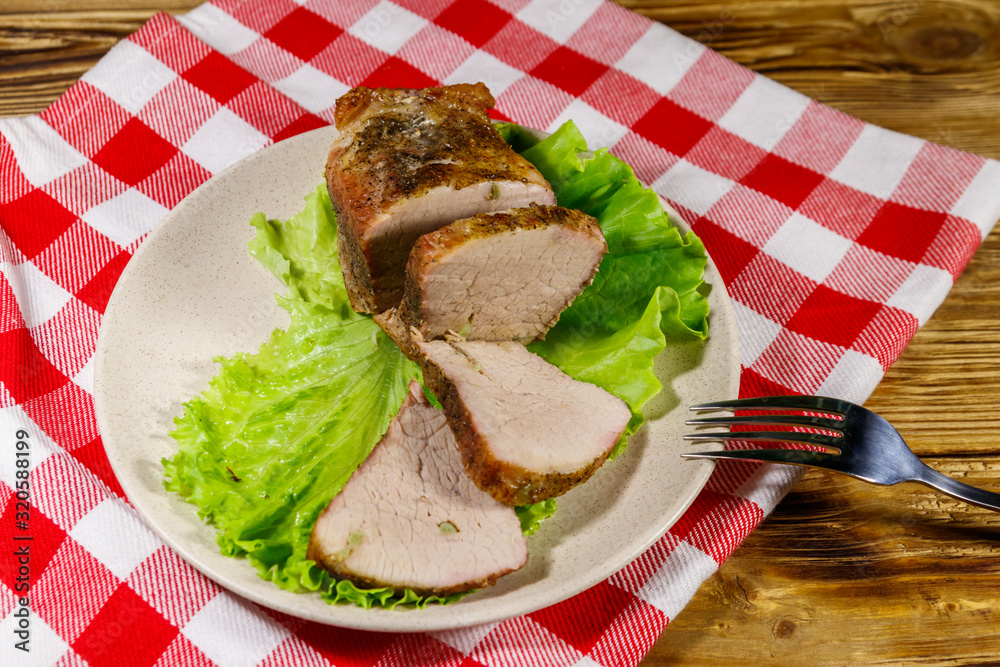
(192, 293)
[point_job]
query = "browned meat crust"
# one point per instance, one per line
(430, 529)
(398, 146)
(512, 285)
(507, 482)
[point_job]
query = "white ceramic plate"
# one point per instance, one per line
(192, 292)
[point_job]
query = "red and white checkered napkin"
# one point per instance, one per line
(836, 240)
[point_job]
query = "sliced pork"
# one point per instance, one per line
(501, 276)
(408, 162)
(526, 430)
(410, 517)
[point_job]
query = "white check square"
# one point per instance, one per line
(599, 130)
(757, 332)
(979, 203)
(38, 296)
(877, 161)
(45, 645)
(692, 187)
(125, 218)
(670, 587)
(222, 140)
(764, 112)
(388, 27)
(114, 535)
(481, 66)
(232, 632)
(808, 247)
(41, 152)
(922, 292)
(661, 58)
(218, 29)
(853, 378)
(13, 420)
(313, 89)
(129, 75)
(558, 21)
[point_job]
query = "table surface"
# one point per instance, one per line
(842, 572)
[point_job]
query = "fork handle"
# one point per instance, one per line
(970, 494)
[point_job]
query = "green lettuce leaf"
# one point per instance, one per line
(532, 516)
(648, 284)
(279, 432)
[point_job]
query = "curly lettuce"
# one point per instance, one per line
(648, 286)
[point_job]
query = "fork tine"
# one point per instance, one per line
(805, 403)
(820, 439)
(793, 456)
(775, 420)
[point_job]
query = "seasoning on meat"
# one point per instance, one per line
(407, 162)
(526, 430)
(410, 517)
(501, 276)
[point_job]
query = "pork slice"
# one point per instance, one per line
(526, 430)
(501, 276)
(407, 162)
(410, 517)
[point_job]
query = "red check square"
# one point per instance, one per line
(782, 180)
(569, 70)
(397, 73)
(23, 561)
(26, 373)
(673, 127)
(219, 77)
(954, 246)
(631, 635)
(126, 632)
(34, 221)
(731, 253)
(95, 458)
(98, 290)
(476, 21)
(520, 46)
(581, 620)
(726, 154)
(347, 648)
(833, 317)
(134, 153)
(79, 129)
(887, 334)
(303, 33)
(902, 231)
(754, 384)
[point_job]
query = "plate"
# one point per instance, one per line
(192, 292)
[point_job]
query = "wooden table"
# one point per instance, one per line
(842, 572)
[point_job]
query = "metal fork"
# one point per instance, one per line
(864, 445)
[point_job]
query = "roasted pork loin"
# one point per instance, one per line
(526, 430)
(408, 162)
(500, 276)
(411, 518)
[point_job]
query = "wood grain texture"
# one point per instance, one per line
(842, 572)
